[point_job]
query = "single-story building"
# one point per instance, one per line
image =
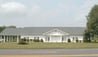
(47, 34)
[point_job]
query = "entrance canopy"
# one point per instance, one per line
(55, 32)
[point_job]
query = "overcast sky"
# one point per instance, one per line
(29, 13)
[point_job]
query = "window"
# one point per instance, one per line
(2, 37)
(36, 37)
(73, 38)
(14, 38)
(47, 38)
(63, 38)
(77, 39)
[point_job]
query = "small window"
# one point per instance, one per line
(77, 39)
(47, 38)
(73, 38)
(36, 37)
(2, 37)
(62, 38)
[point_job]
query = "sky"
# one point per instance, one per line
(45, 13)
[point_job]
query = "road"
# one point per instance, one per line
(47, 51)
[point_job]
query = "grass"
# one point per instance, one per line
(48, 45)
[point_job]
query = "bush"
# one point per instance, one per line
(77, 40)
(23, 41)
(41, 40)
(37, 40)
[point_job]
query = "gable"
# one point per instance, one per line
(56, 32)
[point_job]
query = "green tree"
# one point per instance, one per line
(2, 28)
(91, 31)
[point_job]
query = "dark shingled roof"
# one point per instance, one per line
(40, 30)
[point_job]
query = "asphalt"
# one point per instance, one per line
(47, 51)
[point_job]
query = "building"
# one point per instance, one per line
(47, 34)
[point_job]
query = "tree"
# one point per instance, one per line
(4, 27)
(23, 41)
(91, 31)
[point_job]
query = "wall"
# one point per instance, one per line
(80, 38)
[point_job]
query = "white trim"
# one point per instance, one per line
(55, 30)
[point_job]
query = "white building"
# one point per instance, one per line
(47, 34)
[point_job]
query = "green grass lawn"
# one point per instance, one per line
(48, 45)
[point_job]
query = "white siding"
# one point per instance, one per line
(32, 37)
(56, 38)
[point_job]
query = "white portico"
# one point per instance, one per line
(56, 35)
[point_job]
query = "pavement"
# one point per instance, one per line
(85, 55)
(49, 52)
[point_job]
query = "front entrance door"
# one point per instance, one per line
(56, 39)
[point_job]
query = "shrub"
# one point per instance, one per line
(41, 40)
(37, 40)
(77, 40)
(23, 41)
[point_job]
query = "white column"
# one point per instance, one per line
(7, 38)
(66, 40)
(0, 37)
(4, 39)
(17, 39)
(61, 37)
(50, 39)
(12, 38)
